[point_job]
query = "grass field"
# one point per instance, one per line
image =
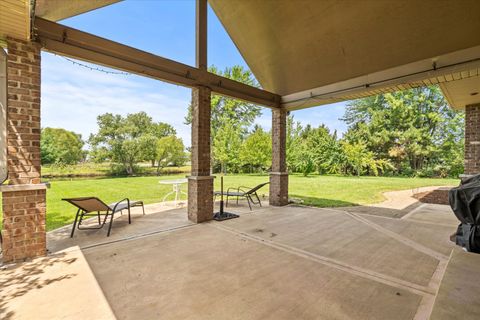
(322, 191)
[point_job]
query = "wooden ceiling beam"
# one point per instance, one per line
(81, 45)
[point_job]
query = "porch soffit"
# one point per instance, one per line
(293, 47)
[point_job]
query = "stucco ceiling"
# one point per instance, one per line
(56, 10)
(295, 46)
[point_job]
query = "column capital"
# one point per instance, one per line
(201, 177)
(278, 173)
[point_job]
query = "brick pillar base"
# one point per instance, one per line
(472, 139)
(278, 189)
(23, 231)
(200, 195)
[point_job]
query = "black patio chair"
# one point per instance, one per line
(244, 192)
(87, 206)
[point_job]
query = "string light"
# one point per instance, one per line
(94, 68)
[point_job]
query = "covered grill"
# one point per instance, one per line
(465, 203)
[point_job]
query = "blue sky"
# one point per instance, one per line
(73, 96)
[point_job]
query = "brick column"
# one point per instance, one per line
(279, 174)
(24, 197)
(472, 139)
(200, 183)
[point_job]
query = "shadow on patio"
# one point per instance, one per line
(291, 262)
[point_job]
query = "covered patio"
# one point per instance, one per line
(278, 263)
(281, 261)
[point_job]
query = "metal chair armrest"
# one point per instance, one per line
(231, 188)
(244, 189)
(116, 204)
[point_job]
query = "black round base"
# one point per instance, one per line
(220, 216)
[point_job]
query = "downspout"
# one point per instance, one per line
(3, 116)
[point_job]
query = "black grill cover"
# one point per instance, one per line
(465, 203)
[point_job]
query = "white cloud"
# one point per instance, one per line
(73, 97)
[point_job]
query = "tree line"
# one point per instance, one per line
(408, 133)
(124, 141)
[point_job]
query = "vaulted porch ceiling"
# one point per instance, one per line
(316, 52)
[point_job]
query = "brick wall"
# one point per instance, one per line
(279, 176)
(23, 231)
(201, 112)
(472, 139)
(23, 126)
(200, 183)
(279, 140)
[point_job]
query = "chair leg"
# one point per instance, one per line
(110, 226)
(143, 209)
(259, 202)
(129, 218)
(98, 216)
(226, 204)
(248, 200)
(75, 223)
(105, 220)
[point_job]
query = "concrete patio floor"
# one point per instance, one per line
(291, 262)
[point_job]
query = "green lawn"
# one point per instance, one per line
(322, 191)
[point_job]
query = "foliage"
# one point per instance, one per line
(415, 130)
(294, 139)
(358, 159)
(60, 146)
(170, 151)
(256, 151)
(413, 133)
(126, 140)
(159, 130)
(91, 169)
(226, 146)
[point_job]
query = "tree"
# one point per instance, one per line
(358, 158)
(158, 130)
(256, 150)
(322, 146)
(413, 128)
(305, 161)
(123, 140)
(226, 146)
(170, 150)
(61, 146)
(294, 138)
